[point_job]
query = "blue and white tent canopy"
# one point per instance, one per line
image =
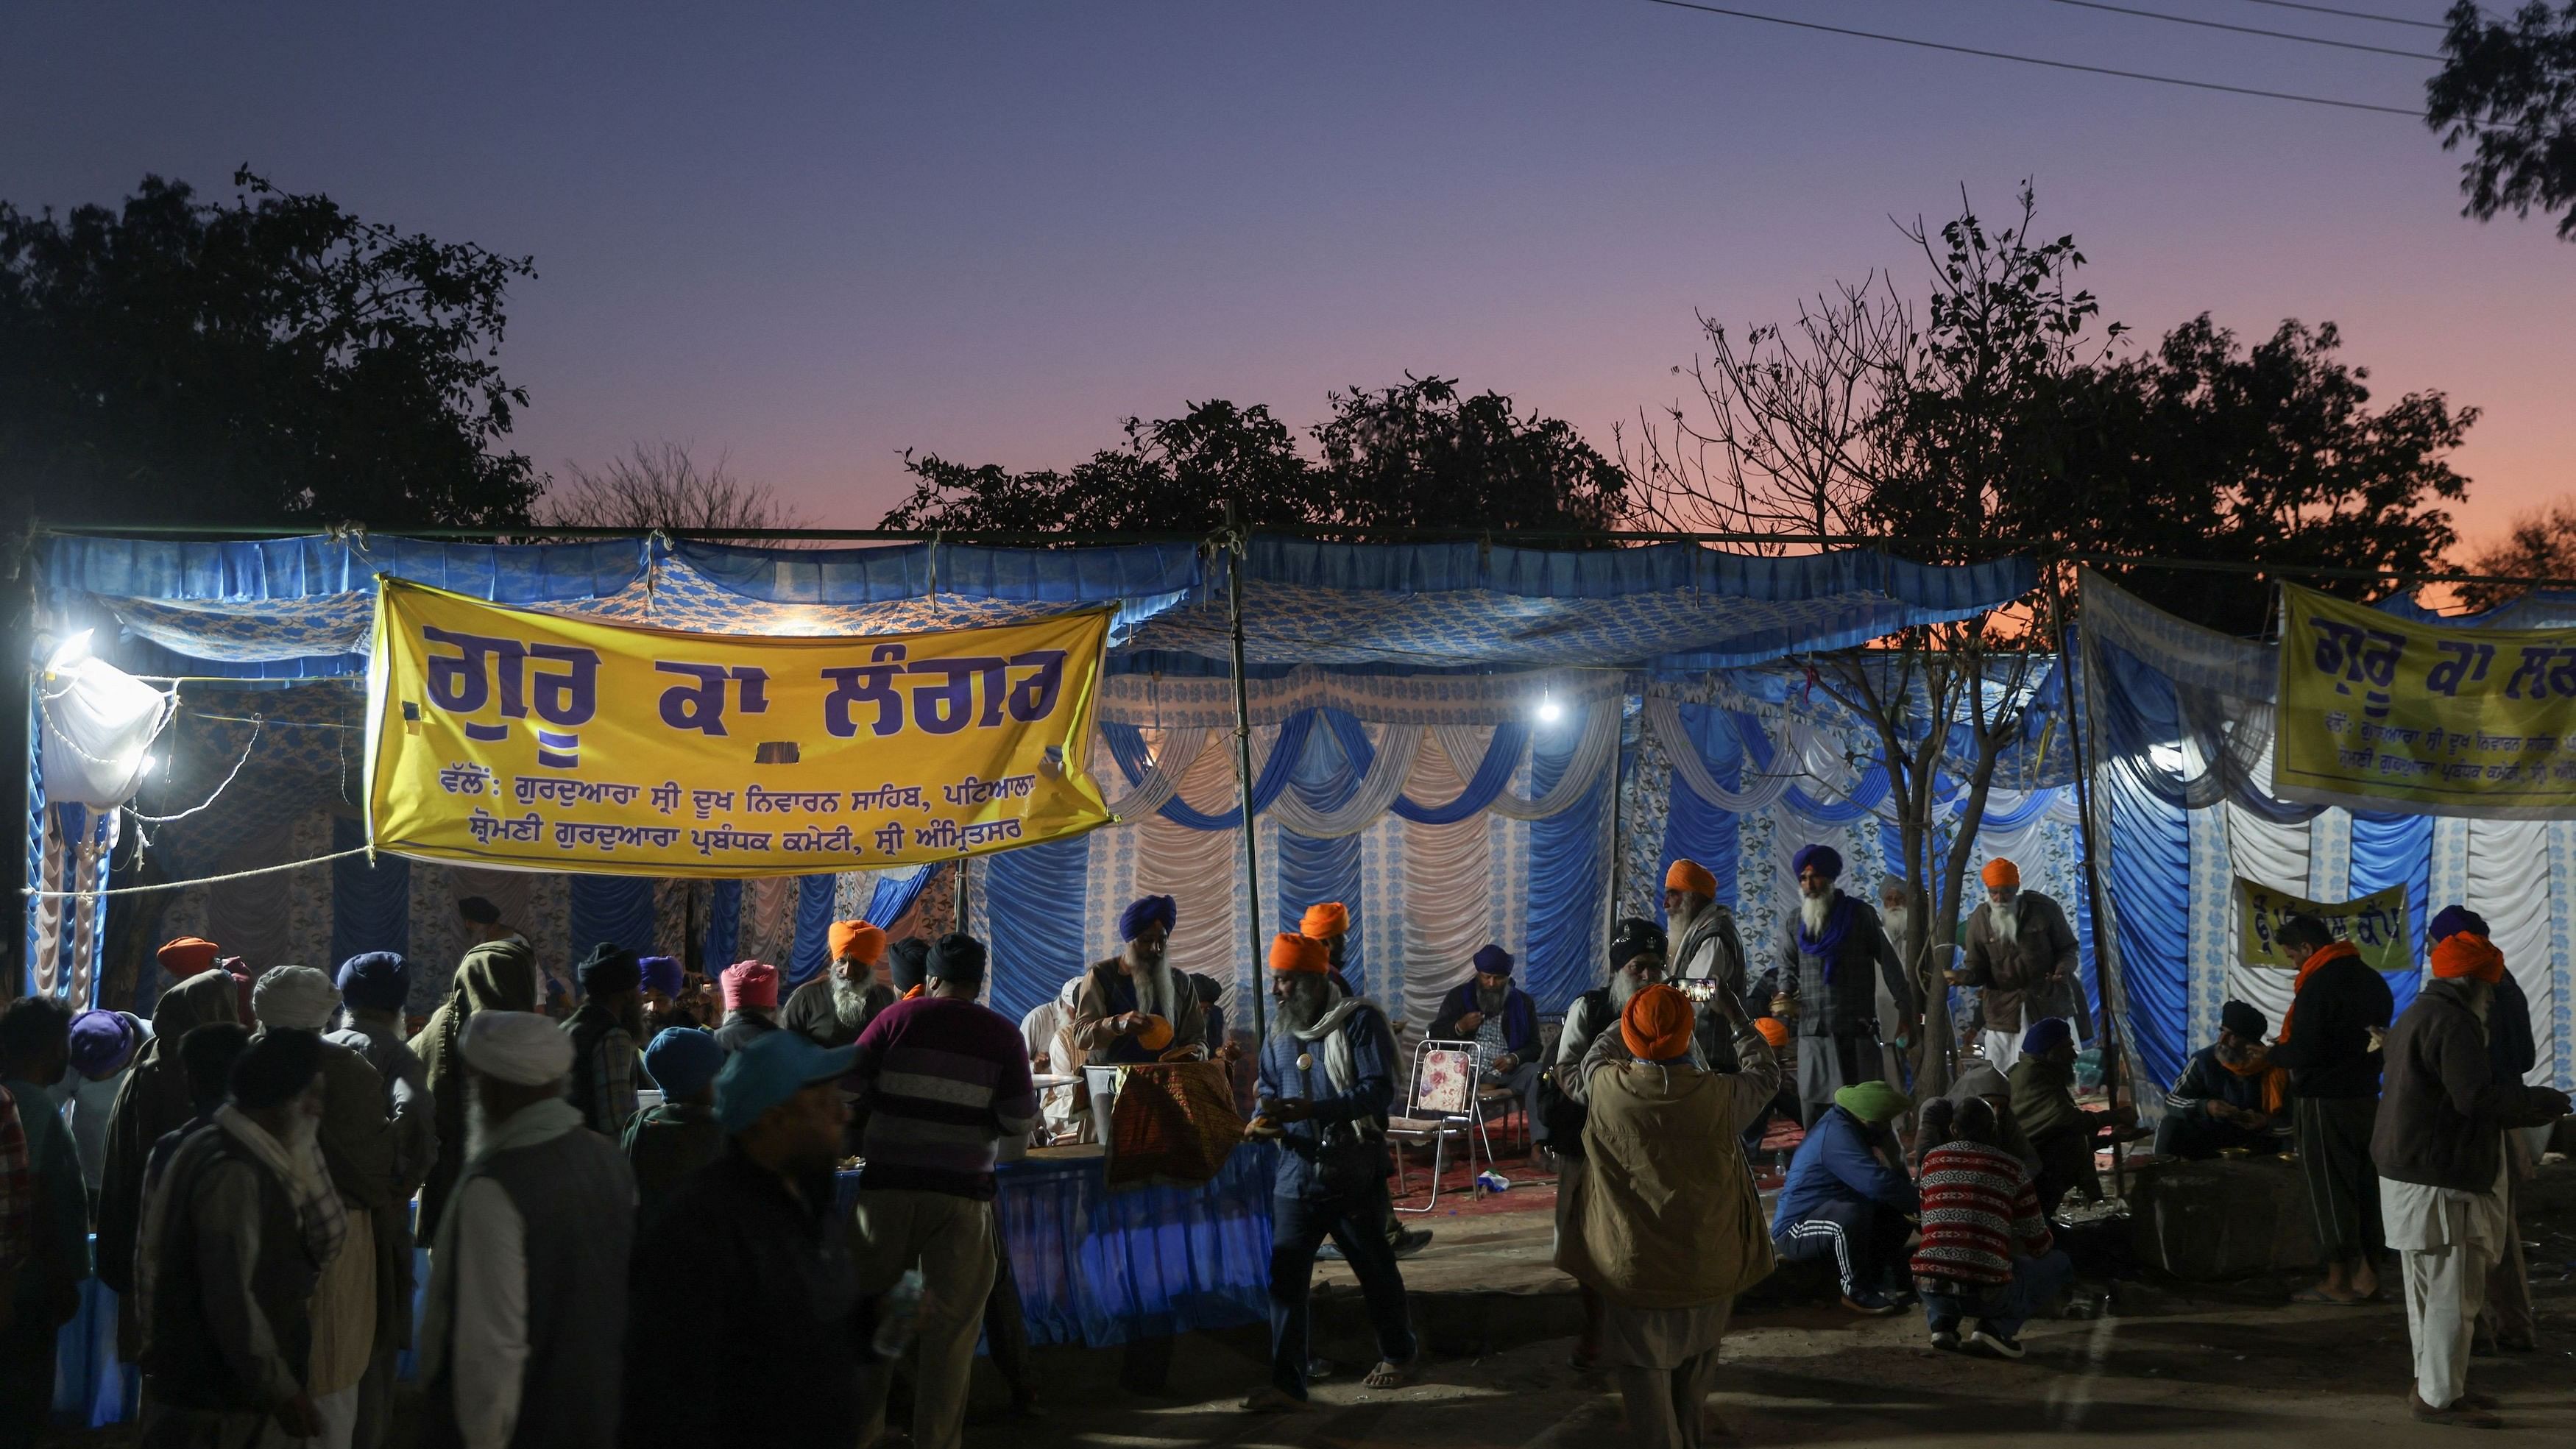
(300, 607)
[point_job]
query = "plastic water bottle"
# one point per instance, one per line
(895, 1314)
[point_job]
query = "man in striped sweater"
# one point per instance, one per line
(945, 1082)
(1979, 1208)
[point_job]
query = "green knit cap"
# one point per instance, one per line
(1873, 1102)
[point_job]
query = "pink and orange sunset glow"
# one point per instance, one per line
(810, 238)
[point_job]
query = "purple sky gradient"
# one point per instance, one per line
(991, 230)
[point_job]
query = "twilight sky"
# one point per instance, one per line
(813, 236)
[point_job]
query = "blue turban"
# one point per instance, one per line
(683, 1061)
(376, 980)
(2046, 1035)
(662, 974)
(1823, 857)
(1160, 911)
(2452, 920)
(1493, 961)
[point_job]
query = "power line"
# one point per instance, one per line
(2249, 30)
(2352, 14)
(2199, 85)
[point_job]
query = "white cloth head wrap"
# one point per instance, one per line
(517, 1046)
(294, 998)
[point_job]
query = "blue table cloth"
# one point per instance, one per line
(1098, 1267)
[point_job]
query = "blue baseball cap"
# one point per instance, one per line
(771, 1069)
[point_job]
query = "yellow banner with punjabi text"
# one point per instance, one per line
(507, 737)
(2382, 713)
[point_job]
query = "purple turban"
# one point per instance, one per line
(1823, 857)
(102, 1043)
(2452, 920)
(1493, 961)
(1160, 911)
(662, 974)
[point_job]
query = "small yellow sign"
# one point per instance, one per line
(2375, 925)
(509, 737)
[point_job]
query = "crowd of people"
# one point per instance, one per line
(654, 1166)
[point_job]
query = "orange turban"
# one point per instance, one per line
(1690, 875)
(1657, 1024)
(1155, 1034)
(857, 941)
(1773, 1029)
(1290, 953)
(187, 956)
(2468, 954)
(1332, 918)
(2000, 875)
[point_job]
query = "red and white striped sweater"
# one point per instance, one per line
(1976, 1201)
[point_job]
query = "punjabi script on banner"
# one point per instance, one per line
(512, 738)
(2375, 925)
(2380, 713)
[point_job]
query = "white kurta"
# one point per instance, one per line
(2447, 1240)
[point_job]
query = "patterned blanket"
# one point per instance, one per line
(1172, 1123)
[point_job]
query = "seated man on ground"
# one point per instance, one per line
(1979, 1208)
(2227, 1095)
(1847, 1197)
(1502, 1020)
(2064, 1135)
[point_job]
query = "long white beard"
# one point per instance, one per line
(1623, 989)
(1679, 925)
(2006, 918)
(849, 1001)
(1813, 909)
(1895, 922)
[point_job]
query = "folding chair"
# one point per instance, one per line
(1442, 1106)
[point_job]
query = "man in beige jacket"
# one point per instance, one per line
(1671, 1228)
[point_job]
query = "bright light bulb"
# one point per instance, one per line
(73, 651)
(1549, 711)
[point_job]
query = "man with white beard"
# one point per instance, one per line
(1327, 1083)
(1130, 1008)
(1835, 957)
(1706, 946)
(2022, 951)
(832, 1009)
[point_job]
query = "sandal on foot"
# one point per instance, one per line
(1388, 1376)
(1271, 1400)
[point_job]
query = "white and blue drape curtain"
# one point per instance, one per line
(2180, 723)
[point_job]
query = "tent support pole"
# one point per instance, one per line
(2113, 1068)
(1250, 977)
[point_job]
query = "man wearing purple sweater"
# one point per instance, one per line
(945, 1082)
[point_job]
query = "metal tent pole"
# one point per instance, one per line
(1234, 545)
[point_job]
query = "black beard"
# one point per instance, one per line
(1491, 1003)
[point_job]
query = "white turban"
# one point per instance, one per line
(294, 998)
(517, 1046)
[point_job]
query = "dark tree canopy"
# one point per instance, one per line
(1415, 455)
(2209, 450)
(2542, 545)
(2509, 86)
(275, 360)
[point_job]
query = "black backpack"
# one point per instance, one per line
(1562, 1115)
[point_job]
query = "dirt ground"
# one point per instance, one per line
(2155, 1364)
